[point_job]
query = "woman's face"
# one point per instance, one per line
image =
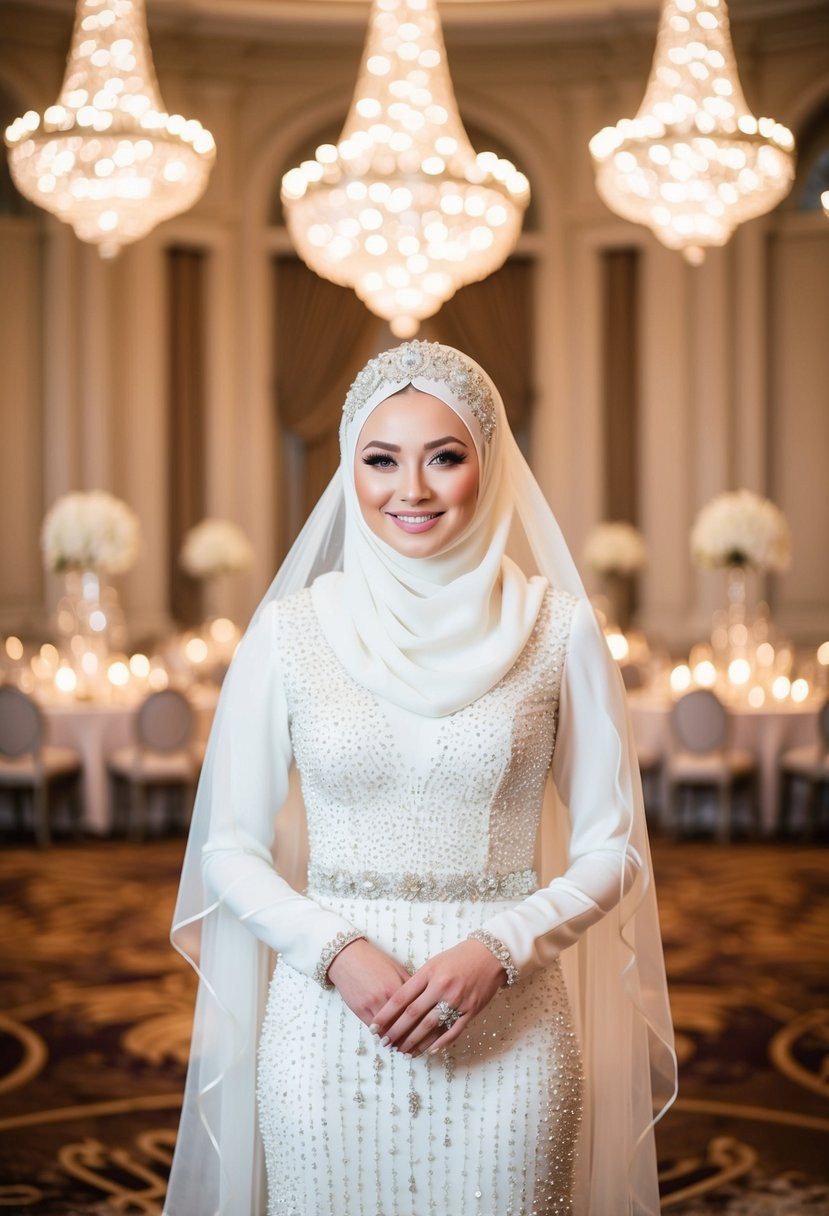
(416, 473)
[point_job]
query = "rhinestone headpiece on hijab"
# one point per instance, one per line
(426, 361)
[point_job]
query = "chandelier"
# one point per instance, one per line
(402, 209)
(106, 157)
(694, 162)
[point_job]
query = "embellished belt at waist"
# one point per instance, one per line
(375, 884)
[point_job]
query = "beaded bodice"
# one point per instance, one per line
(387, 790)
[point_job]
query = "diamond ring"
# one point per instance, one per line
(447, 1016)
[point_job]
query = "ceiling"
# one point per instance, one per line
(525, 23)
(464, 13)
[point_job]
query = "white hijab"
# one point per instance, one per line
(430, 634)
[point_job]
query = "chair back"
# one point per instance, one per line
(21, 723)
(700, 721)
(165, 721)
(823, 724)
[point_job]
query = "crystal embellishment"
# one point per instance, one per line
(429, 361)
(500, 951)
(470, 886)
(330, 952)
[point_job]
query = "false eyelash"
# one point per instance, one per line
(449, 456)
(452, 456)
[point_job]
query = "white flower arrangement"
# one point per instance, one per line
(741, 529)
(614, 547)
(90, 530)
(215, 546)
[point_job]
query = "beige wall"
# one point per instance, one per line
(733, 359)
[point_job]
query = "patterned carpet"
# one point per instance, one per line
(96, 1008)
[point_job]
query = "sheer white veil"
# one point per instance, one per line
(615, 973)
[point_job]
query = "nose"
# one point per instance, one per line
(415, 485)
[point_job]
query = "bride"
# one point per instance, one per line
(444, 1031)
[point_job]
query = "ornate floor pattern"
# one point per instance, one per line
(95, 1011)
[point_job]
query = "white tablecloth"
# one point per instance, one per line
(97, 730)
(764, 732)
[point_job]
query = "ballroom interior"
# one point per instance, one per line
(198, 376)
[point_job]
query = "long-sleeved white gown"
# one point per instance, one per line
(421, 830)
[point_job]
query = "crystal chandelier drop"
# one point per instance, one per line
(694, 162)
(107, 158)
(402, 209)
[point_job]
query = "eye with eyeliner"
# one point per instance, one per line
(446, 457)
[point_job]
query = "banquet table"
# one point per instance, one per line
(766, 732)
(97, 729)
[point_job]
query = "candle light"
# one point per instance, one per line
(14, 648)
(705, 673)
(65, 679)
(619, 647)
(118, 674)
(140, 666)
(800, 690)
(223, 630)
(765, 655)
(781, 687)
(196, 650)
(681, 677)
(158, 679)
(739, 671)
(89, 663)
(756, 697)
(50, 656)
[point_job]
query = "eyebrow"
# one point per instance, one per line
(436, 443)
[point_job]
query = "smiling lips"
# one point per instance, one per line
(416, 522)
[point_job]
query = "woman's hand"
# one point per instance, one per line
(365, 978)
(467, 977)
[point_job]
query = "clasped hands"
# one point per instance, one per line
(399, 1008)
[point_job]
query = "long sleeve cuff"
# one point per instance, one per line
(291, 924)
(537, 930)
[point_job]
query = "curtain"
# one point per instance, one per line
(492, 321)
(186, 420)
(620, 407)
(324, 335)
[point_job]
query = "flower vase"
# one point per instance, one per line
(618, 591)
(737, 600)
(90, 624)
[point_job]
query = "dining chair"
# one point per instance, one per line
(163, 757)
(29, 766)
(702, 760)
(807, 766)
